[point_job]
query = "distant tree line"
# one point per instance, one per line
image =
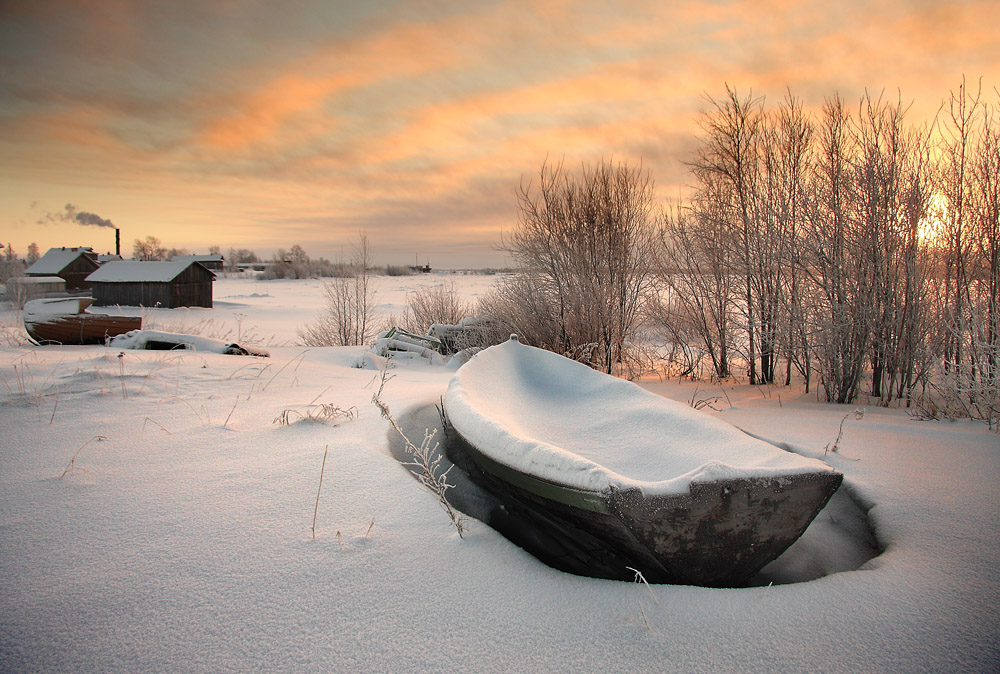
(10, 264)
(851, 248)
(291, 263)
(295, 263)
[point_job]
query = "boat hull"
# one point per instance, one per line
(80, 328)
(719, 534)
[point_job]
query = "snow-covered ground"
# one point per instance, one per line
(271, 312)
(156, 513)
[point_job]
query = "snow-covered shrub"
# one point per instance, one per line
(436, 304)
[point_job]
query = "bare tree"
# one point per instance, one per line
(10, 267)
(149, 248)
(728, 162)
(986, 225)
(912, 355)
(584, 246)
(298, 255)
(830, 261)
(970, 141)
(792, 139)
(33, 254)
(958, 134)
(699, 304)
(868, 272)
(347, 317)
(240, 255)
(436, 304)
(878, 165)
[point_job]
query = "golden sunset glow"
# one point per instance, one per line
(931, 229)
(263, 125)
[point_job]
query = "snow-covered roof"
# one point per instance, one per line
(55, 260)
(132, 271)
(35, 280)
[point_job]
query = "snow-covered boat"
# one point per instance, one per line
(157, 340)
(623, 478)
(65, 320)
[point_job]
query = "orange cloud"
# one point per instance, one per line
(471, 125)
(263, 111)
(81, 126)
(306, 86)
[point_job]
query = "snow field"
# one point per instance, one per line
(182, 540)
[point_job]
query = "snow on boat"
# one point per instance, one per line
(65, 320)
(156, 340)
(625, 478)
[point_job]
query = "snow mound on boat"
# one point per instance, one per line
(559, 420)
(156, 340)
(51, 309)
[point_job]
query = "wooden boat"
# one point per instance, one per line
(65, 320)
(621, 480)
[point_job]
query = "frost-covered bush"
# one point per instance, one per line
(584, 243)
(347, 317)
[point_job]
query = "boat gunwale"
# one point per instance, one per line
(603, 501)
(585, 499)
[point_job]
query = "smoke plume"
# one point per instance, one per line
(73, 214)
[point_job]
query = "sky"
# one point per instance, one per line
(258, 124)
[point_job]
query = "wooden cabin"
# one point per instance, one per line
(72, 265)
(21, 289)
(151, 284)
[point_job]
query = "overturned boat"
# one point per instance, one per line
(623, 480)
(65, 320)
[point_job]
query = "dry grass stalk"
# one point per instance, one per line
(639, 578)
(326, 412)
(228, 416)
(859, 414)
(836, 443)
(319, 489)
(121, 372)
(72, 461)
(155, 423)
(281, 369)
(644, 619)
(426, 459)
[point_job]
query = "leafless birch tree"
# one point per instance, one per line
(831, 263)
(698, 306)
(970, 136)
(347, 318)
(728, 159)
(583, 244)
